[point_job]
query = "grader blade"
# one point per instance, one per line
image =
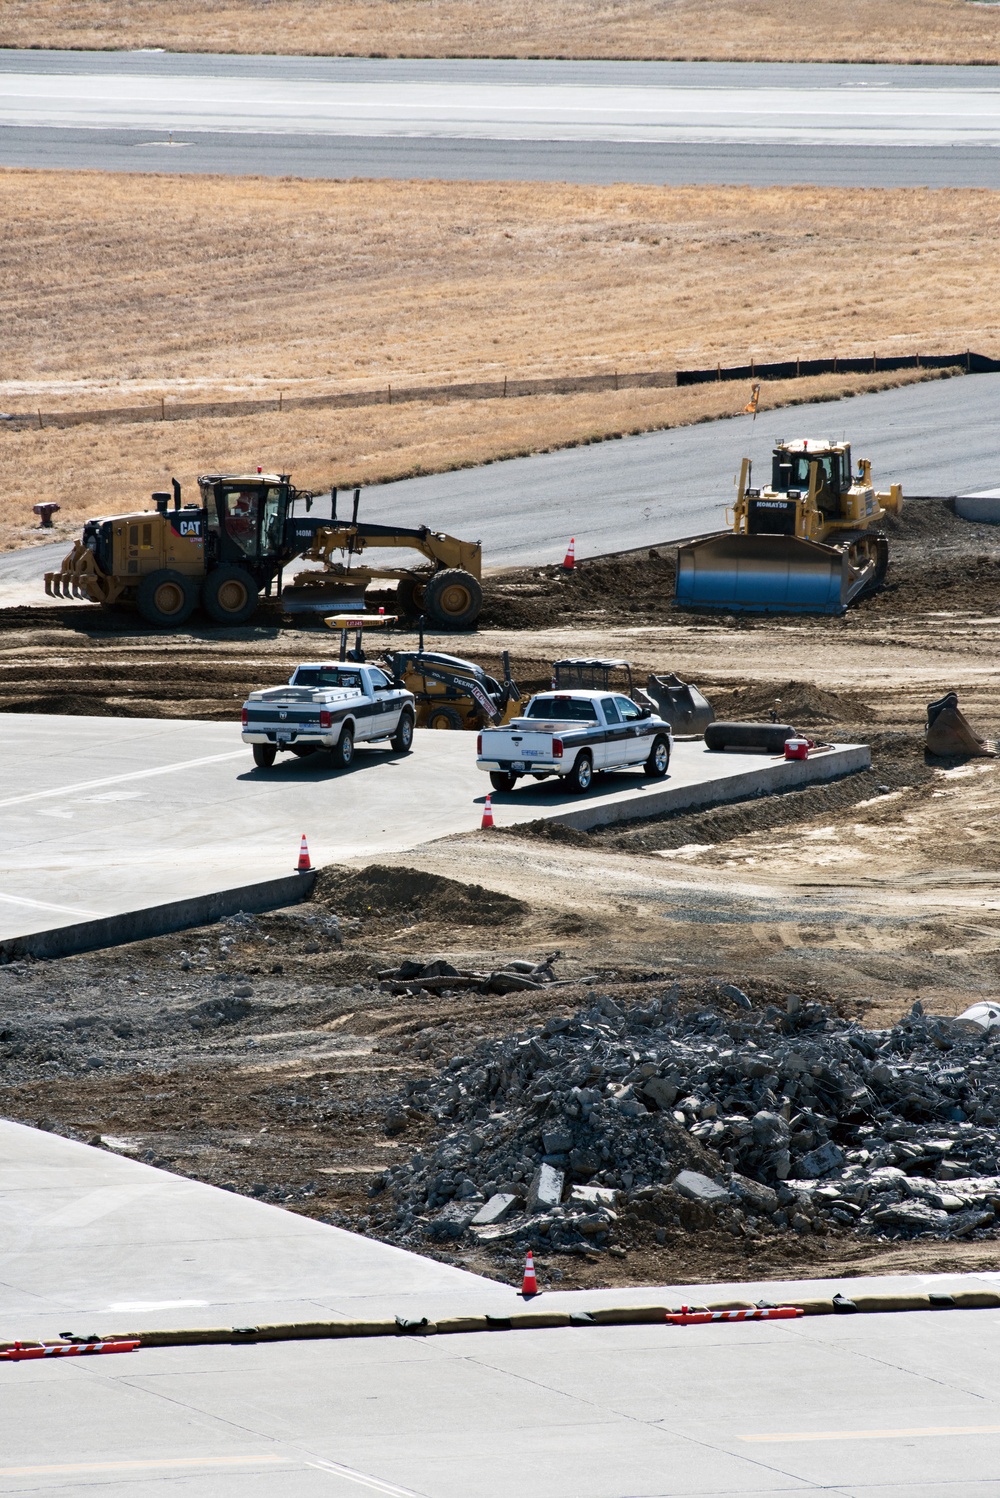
(328, 597)
(768, 574)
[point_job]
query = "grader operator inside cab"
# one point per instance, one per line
(806, 543)
(233, 545)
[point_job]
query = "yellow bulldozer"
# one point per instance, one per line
(224, 551)
(806, 543)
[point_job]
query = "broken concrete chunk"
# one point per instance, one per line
(819, 1162)
(557, 1141)
(662, 1091)
(591, 1196)
(735, 995)
(545, 1191)
(495, 1210)
(985, 1016)
(699, 1188)
(754, 1194)
(769, 1129)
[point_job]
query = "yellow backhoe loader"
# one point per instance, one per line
(806, 543)
(223, 552)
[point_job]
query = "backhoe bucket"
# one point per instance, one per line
(333, 597)
(768, 574)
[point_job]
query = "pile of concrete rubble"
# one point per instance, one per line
(578, 1133)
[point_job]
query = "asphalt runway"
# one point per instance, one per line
(586, 122)
(101, 816)
(867, 1406)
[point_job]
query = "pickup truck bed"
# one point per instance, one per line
(575, 735)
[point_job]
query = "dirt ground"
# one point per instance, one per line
(262, 1055)
(782, 30)
(230, 289)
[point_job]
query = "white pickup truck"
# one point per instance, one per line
(328, 706)
(575, 735)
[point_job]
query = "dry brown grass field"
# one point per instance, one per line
(120, 290)
(947, 31)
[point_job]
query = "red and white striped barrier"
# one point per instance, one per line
(688, 1317)
(19, 1354)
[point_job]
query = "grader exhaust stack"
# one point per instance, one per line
(804, 544)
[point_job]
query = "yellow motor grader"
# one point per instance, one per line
(222, 552)
(806, 543)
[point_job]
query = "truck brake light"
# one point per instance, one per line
(325, 718)
(479, 746)
(246, 717)
(557, 748)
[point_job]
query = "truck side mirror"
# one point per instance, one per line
(645, 712)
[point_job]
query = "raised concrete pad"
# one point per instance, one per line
(870, 1406)
(982, 508)
(104, 816)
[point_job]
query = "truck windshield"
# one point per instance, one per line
(564, 709)
(326, 676)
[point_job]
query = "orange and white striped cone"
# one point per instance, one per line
(529, 1285)
(303, 866)
(487, 821)
(569, 560)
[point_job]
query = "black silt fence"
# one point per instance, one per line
(790, 369)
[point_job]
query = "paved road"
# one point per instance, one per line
(869, 1406)
(581, 121)
(936, 438)
(99, 816)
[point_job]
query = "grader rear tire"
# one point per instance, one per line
(166, 598)
(229, 595)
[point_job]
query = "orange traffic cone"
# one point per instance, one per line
(529, 1285)
(569, 560)
(487, 821)
(303, 866)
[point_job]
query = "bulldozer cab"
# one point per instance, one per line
(803, 468)
(245, 519)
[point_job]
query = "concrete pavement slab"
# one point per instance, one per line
(902, 1405)
(101, 816)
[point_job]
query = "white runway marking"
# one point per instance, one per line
(364, 1480)
(90, 785)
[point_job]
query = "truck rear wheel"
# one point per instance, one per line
(581, 776)
(500, 781)
(453, 596)
(229, 595)
(166, 598)
(343, 749)
(264, 755)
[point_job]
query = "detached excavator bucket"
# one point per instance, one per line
(329, 597)
(767, 574)
(679, 704)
